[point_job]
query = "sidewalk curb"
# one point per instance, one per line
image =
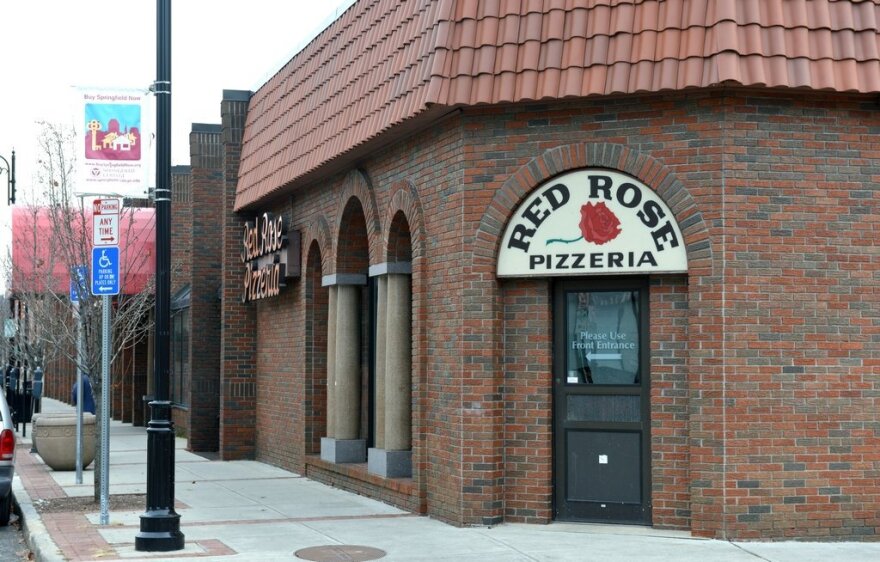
(35, 533)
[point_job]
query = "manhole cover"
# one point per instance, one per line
(340, 553)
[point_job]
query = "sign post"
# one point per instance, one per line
(77, 287)
(105, 283)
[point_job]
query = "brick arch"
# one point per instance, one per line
(318, 231)
(357, 185)
(555, 161)
(405, 199)
(704, 377)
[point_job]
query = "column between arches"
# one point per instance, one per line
(392, 455)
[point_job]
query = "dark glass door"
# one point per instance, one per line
(601, 392)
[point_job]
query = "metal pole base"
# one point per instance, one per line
(160, 524)
(160, 540)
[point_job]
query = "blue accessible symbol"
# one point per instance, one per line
(105, 270)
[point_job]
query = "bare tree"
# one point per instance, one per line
(52, 238)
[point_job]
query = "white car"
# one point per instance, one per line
(7, 460)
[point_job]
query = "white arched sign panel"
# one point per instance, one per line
(591, 222)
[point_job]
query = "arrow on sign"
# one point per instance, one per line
(105, 270)
(106, 230)
(602, 356)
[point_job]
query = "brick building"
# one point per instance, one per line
(537, 261)
(195, 308)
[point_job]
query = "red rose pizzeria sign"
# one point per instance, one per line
(591, 222)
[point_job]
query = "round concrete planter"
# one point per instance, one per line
(36, 420)
(54, 436)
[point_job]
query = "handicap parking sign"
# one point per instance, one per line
(77, 282)
(105, 270)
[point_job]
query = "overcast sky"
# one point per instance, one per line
(50, 46)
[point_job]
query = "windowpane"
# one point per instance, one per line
(603, 408)
(175, 350)
(184, 354)
(179, 360)
(602, 338)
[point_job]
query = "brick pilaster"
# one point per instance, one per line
(238, 321)
(181, 271)
(203, 394)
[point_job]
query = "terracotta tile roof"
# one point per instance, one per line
(384, 62)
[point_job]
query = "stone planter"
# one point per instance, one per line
(54, 436)
(35, 420)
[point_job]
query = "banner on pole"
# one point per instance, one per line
(113, 142)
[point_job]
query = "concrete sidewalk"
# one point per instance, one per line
(246, 510)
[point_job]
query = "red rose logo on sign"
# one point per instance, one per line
(598, 223)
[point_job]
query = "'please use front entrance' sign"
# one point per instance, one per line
(591, 222)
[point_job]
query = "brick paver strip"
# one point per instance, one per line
(74, 534)
(35, 476)
(76, 537)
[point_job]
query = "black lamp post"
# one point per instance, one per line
(10, 171)
(160, 524)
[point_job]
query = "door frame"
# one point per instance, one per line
(642, 515)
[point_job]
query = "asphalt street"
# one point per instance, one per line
(12, 544)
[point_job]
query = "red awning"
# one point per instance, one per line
(43, 256)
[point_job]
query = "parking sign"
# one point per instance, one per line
(105, 271)
(77, 282)
(105, 221)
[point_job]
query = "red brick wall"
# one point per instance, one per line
(762, 416)
(832, 156)
(238, 390)
(288, 335)
(280, 428)
(507, 156)
(59, 373)
(352, 255)
(801, 324)
(669, 315)
(182, 250)
(528, 401)
(139, 410)
(315, 352)
(203, 389)
(181, 226)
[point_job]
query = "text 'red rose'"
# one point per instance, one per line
(598, 223)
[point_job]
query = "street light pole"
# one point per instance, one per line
(10, 172)
(160, 524)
